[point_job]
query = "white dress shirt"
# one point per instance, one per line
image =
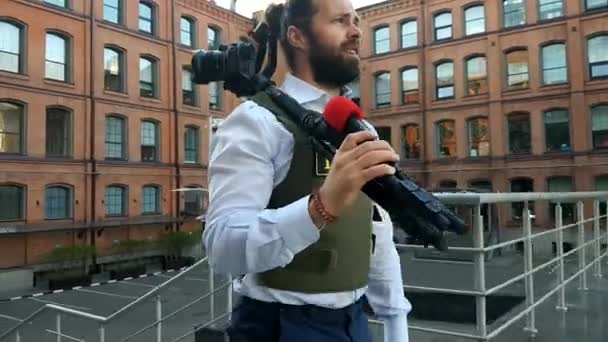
(250, 155)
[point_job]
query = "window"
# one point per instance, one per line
(13, 203)
(409, 34)
(151, 200)
(383, 90)
(56, 61)
(550, 9)
(11, 47)
(60, 3)
(384, 133)
(482, 185)
(561, 184)
(213, 38)
(113, 74)
(595, 4)
(410, 142)
(188, 88)
(112, 11)
(382, 40)
(443, 26)
(57, 203)
(517, 208)
(188, 31)
(479, 137)
(601, 184)
(517, 69)
(555, 69)
(149, 141)
(409, 85)
(475, 21)
(215, 95)
(557, 131)
(444, 77)
(148, 76)
(446, 139)
(514, 12)
(191, 144)
(11, 128)
(146, 17)
(194, 201)
(115, 138)
(116, 201)
(598, 57)
(58, 132)
(599, 126)
(519, 134)
(477, 75)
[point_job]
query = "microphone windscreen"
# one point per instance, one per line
(338, 110)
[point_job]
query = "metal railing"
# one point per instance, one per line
(479, 249)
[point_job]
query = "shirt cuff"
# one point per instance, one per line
(296, 226)
(395, 328)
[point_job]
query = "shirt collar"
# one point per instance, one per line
(304, 92)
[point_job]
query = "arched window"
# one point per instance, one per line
(518, 76)
(58, 203)
(213, 37)
(550, 9)
(382, 40)
(446, 139)
(444, 81)
(187, 32)
(116, 200)
(599, 126)
(12, 198)
(191, 145)
(151, 199)
(147, 17)
(477, 75)
(116, 142)
(383, 89)
(557, 130)
(443, 25)
(58, 132)
(409, 85)
(149, 137)
(520, 139)
(11, 128)
(475, 20)
(409, 34)
(57, 60)
(11, 46)
(410, 142)
(598, 57)
(148, 77)
(555, 66)
(114, 65)
(514, 13)
(479, 137)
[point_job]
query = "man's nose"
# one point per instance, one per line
(354, 31)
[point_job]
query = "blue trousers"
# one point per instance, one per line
(255, 321)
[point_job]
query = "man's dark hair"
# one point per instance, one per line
(296, 13)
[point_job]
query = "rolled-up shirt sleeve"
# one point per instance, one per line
(241, 235)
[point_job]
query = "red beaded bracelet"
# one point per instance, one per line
(320, 208)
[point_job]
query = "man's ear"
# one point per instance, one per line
(297, 38)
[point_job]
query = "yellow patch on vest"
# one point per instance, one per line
(322, 165)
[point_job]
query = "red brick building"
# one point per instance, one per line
(99, 122)
(508, 95)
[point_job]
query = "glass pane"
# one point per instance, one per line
(111, 14)
(591, 4)
(382, 40)
(148, 133)
(554, 56)
(57, 203)
(145, 70)
(114, 137)
(443, 33)
(9, 62)
(114, 200)
(445, 73)
(409, 34)
(55, 48)
(446, 139)
(599, 118)
(150, 205)
(10, 38)
(383, 89)
(599, 70)
(410, 142)
(445, 92)
(475, 20)
(11, 117)
(409, 78)
(519, 134)
(186, 80)
(598, 49)
(443, 19)
(186, 32)
(550, 9)
(145, 25)
(479, 137)
(112, 62)
(55, 71)
(145, 11)
(11, 198)
(213, 38)
(517, 68)
(61, 3)
(555, 76)
(58, 133)
(191, 145)
(514, 12)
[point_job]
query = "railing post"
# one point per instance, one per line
(561, 301)
(211, 289)
(581, 241)
(597, 238)
(18, 336)
(480, 277)
(58, 327)
(229, 297)
(102, 333)
(529, 278)
(159, 317)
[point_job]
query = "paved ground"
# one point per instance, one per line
(584, 320)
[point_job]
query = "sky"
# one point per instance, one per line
(247, 7)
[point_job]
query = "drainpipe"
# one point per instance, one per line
(233, 5)
(175, 114)
(92, 160)
(423, 125)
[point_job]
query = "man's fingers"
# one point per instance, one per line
(376, 157)
(377, 171)
(352, 140)
(368, 146)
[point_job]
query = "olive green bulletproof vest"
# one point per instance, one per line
(339, 260)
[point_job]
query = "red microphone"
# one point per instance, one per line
(345, 116)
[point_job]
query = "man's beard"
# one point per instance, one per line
(330, 66)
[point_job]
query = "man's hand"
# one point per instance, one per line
(360, 159)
